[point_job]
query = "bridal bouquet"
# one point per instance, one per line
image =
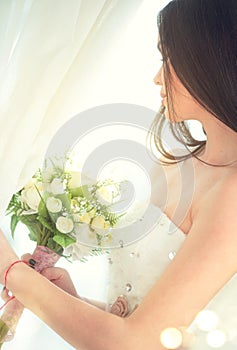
(55, 206)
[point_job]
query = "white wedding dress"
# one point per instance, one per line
(135, 268)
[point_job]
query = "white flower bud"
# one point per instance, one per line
(56, 186)
(54, 205)
(92, 213)
(64, 225)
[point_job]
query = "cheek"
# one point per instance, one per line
(186, 107)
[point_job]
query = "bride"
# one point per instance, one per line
(165, 279)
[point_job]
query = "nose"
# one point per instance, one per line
(157, 78)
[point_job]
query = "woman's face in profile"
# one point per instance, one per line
(185, 106)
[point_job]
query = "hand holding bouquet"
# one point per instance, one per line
(54, 206)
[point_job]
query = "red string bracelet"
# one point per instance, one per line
(5, 279)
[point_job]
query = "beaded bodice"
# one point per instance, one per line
(135, 268)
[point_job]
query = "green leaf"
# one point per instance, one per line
(54, 246)
(42, 209)
(14, 222)
(63, 240)
(33, 225)
(51, 243)
(32, 236)
(46, 223)
(65, 199)
(81, 191)
(35, 233)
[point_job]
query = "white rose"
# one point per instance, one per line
(30, 196)
(54, 205)
(56, 186)
(64, 225)
(85, 218)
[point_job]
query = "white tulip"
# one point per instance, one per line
(56, 186)
(107, 193)
(107, 225)
(75, 180)
(85, 218)
(64, 225)
(54, 205)
(76, 217)
(98, 222)
(31, 183)
(48, 174)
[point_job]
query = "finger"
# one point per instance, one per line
(4, 294)
(53, 273)
(26, 257)
(29, 258)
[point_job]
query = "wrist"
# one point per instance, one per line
(12, 271)
(5, 268)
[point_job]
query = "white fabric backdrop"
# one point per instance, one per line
(43, 46)
(58, 58)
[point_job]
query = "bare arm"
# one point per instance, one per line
(205, 262)
(62, 279)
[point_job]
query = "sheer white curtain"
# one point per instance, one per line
(60, 57)
(43, 46)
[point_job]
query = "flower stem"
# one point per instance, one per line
(45, 240)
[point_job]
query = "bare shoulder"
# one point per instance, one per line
(165, 166)
(206, 261)
(215, 222)
(220, 204)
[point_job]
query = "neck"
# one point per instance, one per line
(221, 143)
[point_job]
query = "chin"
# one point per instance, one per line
(178, 117)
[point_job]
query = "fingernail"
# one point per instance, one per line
(32, 262)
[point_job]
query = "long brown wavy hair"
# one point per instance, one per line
(198, 39)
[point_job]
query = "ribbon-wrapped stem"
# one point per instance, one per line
(44, 258)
